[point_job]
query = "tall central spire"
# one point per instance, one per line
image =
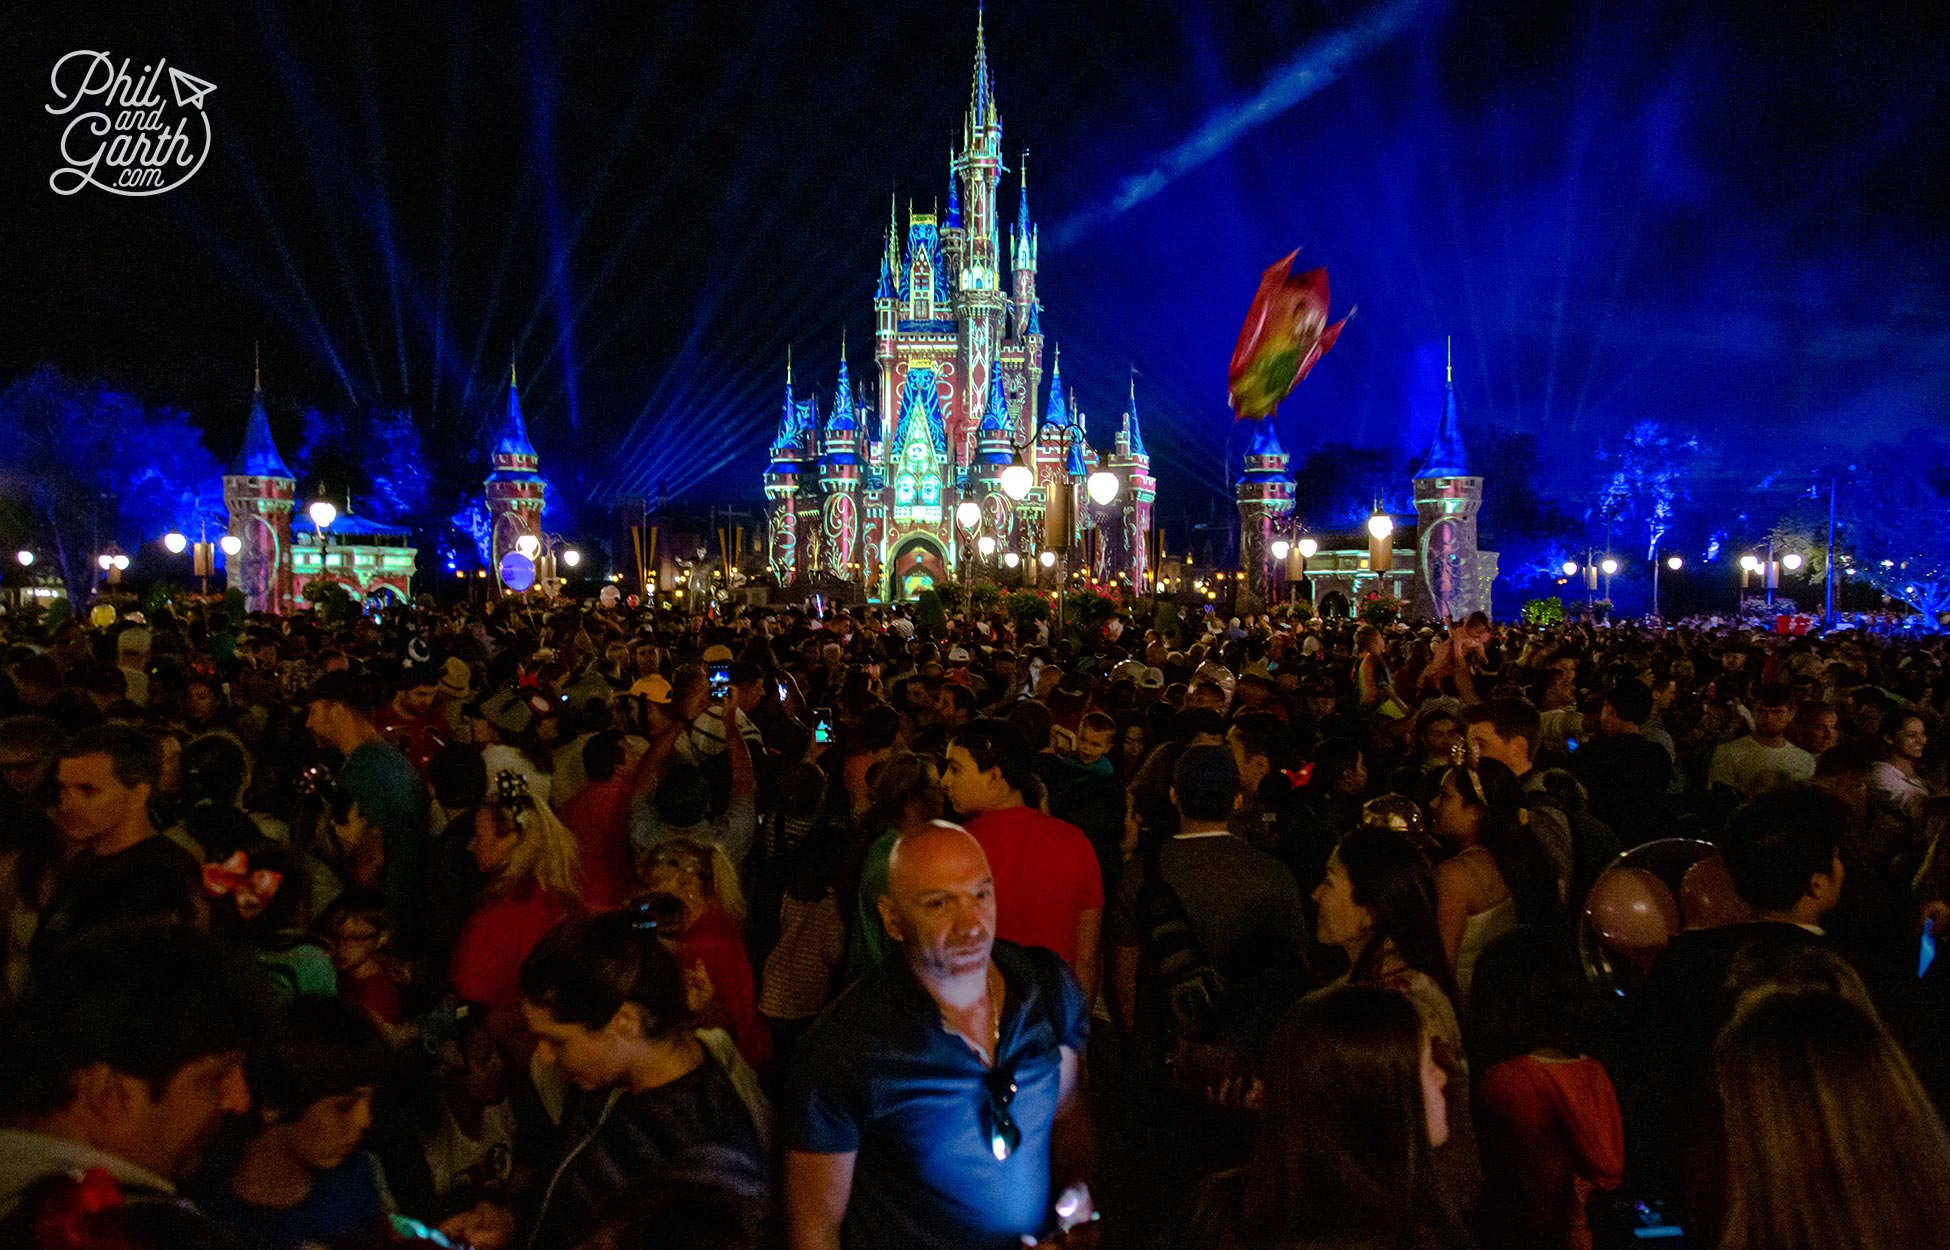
(981, 92)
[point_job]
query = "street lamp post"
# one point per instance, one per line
(1608, 566)
(1672, 562)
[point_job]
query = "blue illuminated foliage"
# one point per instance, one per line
(92, 465)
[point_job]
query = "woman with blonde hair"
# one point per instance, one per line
(1829, 1138)
(695, 885)
(533, 881)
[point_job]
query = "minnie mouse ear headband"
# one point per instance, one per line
(511, 795)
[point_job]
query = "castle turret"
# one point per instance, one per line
(980, 301)
(1454, 578)
(1022, 256)
(1265, 494)
(839, 483)
(258, 492)
(1137, 489)
(515, 487)
(789, 448)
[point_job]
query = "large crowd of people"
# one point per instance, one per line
(550, 925)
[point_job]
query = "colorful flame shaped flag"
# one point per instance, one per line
(1286, 331)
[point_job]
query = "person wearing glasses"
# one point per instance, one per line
(937, 1102)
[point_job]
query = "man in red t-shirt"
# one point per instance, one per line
(1049, 890)
(408, 720)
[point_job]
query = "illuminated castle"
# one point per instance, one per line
(870, 496)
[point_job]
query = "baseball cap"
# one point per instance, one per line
(958, 655)
(655, 688)
(1153, 679)
(719, 654)
(507, 711)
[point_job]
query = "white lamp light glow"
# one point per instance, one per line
(1047, 559)
(969, 514)
(1011, 559)
(322, 514)
(106, 562)
(174, 543)
(1791, 561)
(1750, 563)
(1307, 548)
(24, 556)
(1103, 486)
(528, 545)
(1017, 479)
(231, 544)
(120, 563)
(1280, 548)
(1380, 525)
(1675, 563)
(1570, 568)
(1608, 566)
(985, 545)
(571, 557)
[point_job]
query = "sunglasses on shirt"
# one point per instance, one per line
(1000, 1086)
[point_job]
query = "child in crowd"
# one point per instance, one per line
(1096, 732)
(358, 932)
(303, 1180)
(1547, 1118)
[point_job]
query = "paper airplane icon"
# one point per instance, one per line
(189, 89)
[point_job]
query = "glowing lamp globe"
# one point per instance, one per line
(25, 557)
(1011, 559)
(322, 514)
(231, 544)
(106, 562)
(1675, 563)
(1103, 486)
(571, 557)
(1016, 480)
(985, 545)
(1047, 559)
(1791, 561)
(174, 543)
(1280, 548)
(1380, 525)
(1750, 563)
(1570, 568)
(1307, 548)
(120, 563)
(1608, 566)
(969, 513)
(529, 545)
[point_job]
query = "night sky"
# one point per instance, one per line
(1730, 218)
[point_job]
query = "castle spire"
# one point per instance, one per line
(981, 101)
(257, 368)
(513, 438)
(1448, 362)
(1446, 456)
(1022, 210)
(258, 457)
(1056, 414)
(1136, 437)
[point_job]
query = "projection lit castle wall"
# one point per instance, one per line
(277, 561)
(869, 495)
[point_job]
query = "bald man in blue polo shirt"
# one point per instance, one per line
(937, 1102)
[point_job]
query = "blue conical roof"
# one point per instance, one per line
(1035, 325)
(842, 419)
(1073, 464)
(1056, 414)
(513, 438)
(1131, 425)
(996, 416)
(258, 457)
(1266, 439)
(1446, 457)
